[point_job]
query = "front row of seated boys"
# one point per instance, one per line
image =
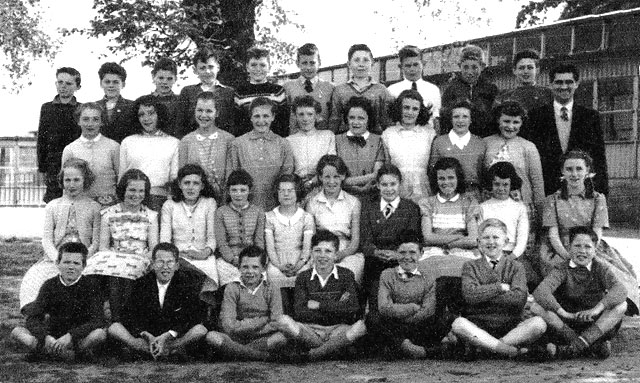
(578, 308)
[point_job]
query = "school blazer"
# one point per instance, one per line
(586, 135)
(122, 120)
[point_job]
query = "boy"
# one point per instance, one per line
(470, 85)
(164, 75)
(407, 302)
(57, 128)
(74, 309)
(494, 288)
(118, 123)
(360, 62)
(258, 66)
(206, 67)
(251, 311)
(582, 297)
(411, 66)
(308, 61)
(161, 317)
(325, 302)
(528, 94)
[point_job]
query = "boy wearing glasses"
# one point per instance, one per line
(161, 317)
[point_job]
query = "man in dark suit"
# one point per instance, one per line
(161, 317)
(563, 126)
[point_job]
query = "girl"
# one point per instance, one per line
(288, 233)
(238, 224)
(408, 143)
(152, 151)
(309, 144)
(578, 204)
(262, 153)
(383, 219)
(74, 217)
(460, 144)
(102, 153)
(361, 150)
(188, 222)
(339, 212)
(449, 219)
(501, 181)
(128, 233)
(208, 145)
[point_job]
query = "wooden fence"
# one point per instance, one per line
(24, 188)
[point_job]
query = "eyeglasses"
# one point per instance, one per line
(169, 264)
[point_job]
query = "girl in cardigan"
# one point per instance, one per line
(74, 217)
(188, 222)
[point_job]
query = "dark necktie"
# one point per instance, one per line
(414, 86)
(409, 274)
(358, 140)
(307, 86)
(564, 114)
(494, 263)
(387, 210)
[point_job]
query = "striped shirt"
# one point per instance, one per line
(450, 216)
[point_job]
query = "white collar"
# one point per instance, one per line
(394, 204)
(573, 265)
(365, 135)
(255, 290)
(409, 82)
(162, 286)
(452, 199)
(458, 141)
(557, 106)
(69, 284)
(288, 221)
(403, 272)
(209, 88)
(314, 80)
(489, 261)
(94, 139)
(323, 281)
(212, 136)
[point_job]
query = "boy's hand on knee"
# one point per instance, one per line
(62, 343)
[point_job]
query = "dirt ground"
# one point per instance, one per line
(17, 255)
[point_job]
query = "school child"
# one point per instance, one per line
(258, 65)
(470, 85)
(251, 312)
(411, 66)
(206, 66)
(405, 315)
(57, 128)
(238, 224)
(527, 93)
(119, 111)
(326, 303)
(360, 62)
(583, 297)
(74, 309)
(208, 146)
(164, 75)
(308, 61)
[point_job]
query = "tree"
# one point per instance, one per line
(22, 40)
(531, 13)
(176, 28)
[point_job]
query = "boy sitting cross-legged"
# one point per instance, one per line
(251, 311)
(582, 297)
(72, 303)
(326, 302)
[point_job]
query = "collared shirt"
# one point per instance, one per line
(365, 135)
(335, 216)
(563, 127)
(403, 273)
(394, 204)
(443, 200)
(268, 135)
(459, 141)
(429, 92)
(212, 136)
(95, 139)
(490, 261)
(323, 281)
(210, 88)
(357, 87)
(255, 289)
(69, 284)
(162, 291)
(57, 100)
(313, 81)
(573, 265)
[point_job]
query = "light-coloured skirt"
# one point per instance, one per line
(34, 278)
(279, 280)
(117, 264)
(446, 263)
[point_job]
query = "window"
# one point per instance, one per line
(375, 70)
(325, 75)
(27, 157)
(584, 94)
(557, 41)
(392, 70)
(432, 63)
(528, 42)
(340, 75)
(588, 37)
(501, 52)
(624, 33)
(615, 104)
(5, 156)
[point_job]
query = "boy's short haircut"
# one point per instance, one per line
(203, 55)
(112, 68)
(389, 169)
(409, 51)
(358, 47)
(472, 52)
(165, 246)
(73, 247)
(263, 101)
(409, 236)
(165, 63)
(257, 53)
(72, 72)
(564, 68)
(526, 54)
(253, 252)
(325, 236)
(240, 177)
(206, 96)
(492, 222)
(308, 49)
(582, 230)
(306, 102)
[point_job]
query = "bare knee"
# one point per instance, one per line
(215, 338)
(356, 331)
(620, 309)
(538, 324)
(199, 330)
(459, 325)
(288, 326)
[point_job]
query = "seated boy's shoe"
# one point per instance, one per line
(534, 353)
(561, 352)
(411, 350)
(601, 349)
